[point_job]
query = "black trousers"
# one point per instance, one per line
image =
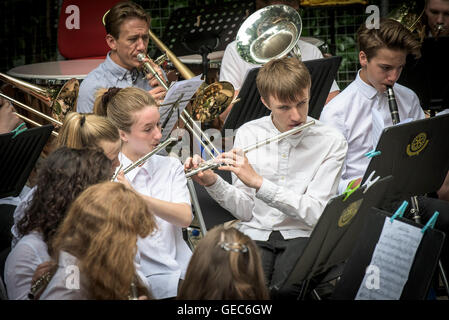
(279, 256)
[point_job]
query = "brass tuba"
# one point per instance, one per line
(411, 15)
(269, 33)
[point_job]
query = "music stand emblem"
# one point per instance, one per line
(418, 144)
(349, 213)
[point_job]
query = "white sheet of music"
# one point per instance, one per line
(180, 91)
(391, 262)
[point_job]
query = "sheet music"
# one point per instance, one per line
(393, 257)
(182, 91)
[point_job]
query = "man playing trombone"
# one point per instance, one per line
(127, 26)
(283, 187)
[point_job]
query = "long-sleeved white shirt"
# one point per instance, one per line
(351, 112)
(29, 252)
(164, 255)
(300, 174)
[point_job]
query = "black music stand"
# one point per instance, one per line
(18, 156)
(221, 21)
(428, 75)
(416, 154)
(250, 107)
(421, 272)
(333, 238)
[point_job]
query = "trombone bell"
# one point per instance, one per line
(60, 102)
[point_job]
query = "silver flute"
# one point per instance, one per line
(210, 164)
(145, 157)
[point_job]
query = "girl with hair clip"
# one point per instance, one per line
(160, 180)
(98, 242)
(226, 265)
(62, 177)
(79, 131)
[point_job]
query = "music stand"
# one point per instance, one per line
(222, 20)
(18, 156)
(427, 76)
(416, 154)
(250, 107)
(421, 272)
(334, 236)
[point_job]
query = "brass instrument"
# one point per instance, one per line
(60, 101)
(410, 15)
(210, 100)
(269, 33)
(185, 116)
(24, 106)
(439, 27)
(211, 164)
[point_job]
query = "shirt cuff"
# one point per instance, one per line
(267, 191)
(217, 188)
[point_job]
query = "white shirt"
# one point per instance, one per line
(21, 264)
(67, 283)
(300, 174)
(351, 113)
(16, 200)
(164, 255)
(234, 69)
(108, 74)
(19, 213)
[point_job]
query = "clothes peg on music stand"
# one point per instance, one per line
(349, 190)
(431, 222)
(372, 153)
(368, 183)
(400, 211)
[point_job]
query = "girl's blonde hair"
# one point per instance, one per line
(86, 131)
(119, 105)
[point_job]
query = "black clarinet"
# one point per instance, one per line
(393, 105)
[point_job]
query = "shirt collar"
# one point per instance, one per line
(146, 166)
(368, 91)
(119, 72)
(293, 140)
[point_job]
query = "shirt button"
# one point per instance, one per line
(283, 156)
(282, 178)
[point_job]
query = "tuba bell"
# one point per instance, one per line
(411, 15)
(269, 33)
